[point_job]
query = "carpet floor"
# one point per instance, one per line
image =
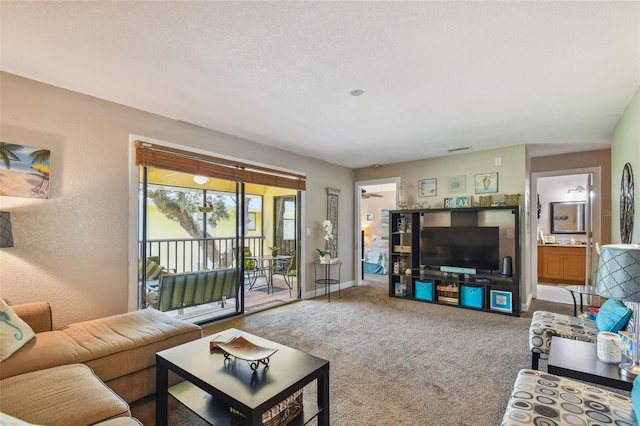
(398, 362)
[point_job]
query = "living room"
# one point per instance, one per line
(77, 250)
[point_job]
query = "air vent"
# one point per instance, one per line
(464, 148)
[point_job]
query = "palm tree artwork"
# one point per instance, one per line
(24, 171)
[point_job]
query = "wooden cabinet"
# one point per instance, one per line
(561, 264)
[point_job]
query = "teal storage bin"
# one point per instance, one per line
(472, 297)
(424, 290)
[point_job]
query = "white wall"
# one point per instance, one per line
(72, 250)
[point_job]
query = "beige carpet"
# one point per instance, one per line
(398, 362)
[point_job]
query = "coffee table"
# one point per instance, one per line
(213, 385)
(579, 360)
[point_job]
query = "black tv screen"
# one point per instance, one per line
(466, 247)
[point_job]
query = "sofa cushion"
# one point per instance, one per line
(65, 395)
(635, 396)
(14, 332)
(153, 269)
(612, 316)
(113, 346)
(6, 419)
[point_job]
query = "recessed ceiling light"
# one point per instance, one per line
(356, 92)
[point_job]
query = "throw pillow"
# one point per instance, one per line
(612, 316)
(14, 332)
(635, 396)
(153, 269)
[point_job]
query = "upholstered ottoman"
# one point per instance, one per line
(66, 395)
(545, 325)
(545, 399)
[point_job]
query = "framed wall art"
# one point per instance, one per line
(427, 187)
(25, 171)
(384, 218)
(332, 215)
(501, 301)
(457, 184)
(486, 183)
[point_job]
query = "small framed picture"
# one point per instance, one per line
(369, 217)
(486, 183)
(384, 218)
(427, 187)
(501, 301)
(457, 184)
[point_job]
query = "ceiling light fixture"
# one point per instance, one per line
(200, 180)
(356, 92)
(376, 166)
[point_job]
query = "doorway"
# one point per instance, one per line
(374, 200)
(566, 230)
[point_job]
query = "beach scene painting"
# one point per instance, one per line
(24, 171)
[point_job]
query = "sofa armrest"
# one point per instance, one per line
(36, 314)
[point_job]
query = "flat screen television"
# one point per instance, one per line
(462, 246)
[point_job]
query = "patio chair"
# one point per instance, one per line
(284, 267)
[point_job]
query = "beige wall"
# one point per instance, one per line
(511, 174)
(73, 250)
(626, 148)
(585, 160)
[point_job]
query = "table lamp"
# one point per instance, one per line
(619, 278)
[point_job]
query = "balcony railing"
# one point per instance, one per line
(189, 254)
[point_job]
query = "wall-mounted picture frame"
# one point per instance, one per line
(486, 183)
(501, 301)
(457, 202)
(25, 171)
(457, 184)
(370, 217)
(384, 218)
(251, 224)
(427, 187)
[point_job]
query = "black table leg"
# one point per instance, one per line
(162, 394)
(323, 398)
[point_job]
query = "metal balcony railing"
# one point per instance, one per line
(194, 254)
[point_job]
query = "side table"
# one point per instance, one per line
(326, 279)
(580, 289)
(579, 360)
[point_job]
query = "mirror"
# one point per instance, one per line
(568, 217)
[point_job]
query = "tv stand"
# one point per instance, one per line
(482, 290)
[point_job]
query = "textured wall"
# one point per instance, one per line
(73, 250)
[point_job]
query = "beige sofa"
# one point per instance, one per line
(120, 349)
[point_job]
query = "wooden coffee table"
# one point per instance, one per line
(212, 384)
(579, 360)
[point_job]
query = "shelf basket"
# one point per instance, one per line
(512, 199)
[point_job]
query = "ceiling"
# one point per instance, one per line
(436, 75)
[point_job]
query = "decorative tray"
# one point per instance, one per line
(241, 348)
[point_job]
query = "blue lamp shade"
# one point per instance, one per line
(6, 236)
(619, 272)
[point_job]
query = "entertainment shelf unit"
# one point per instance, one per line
(483, 290)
